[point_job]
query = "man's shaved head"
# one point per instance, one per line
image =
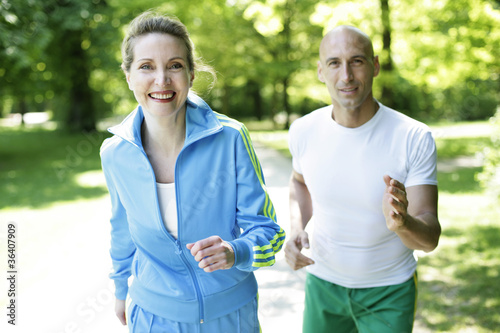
(352, 33)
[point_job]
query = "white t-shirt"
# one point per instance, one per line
(168, 206)
(343, 169)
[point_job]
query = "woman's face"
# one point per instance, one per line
(160, 76)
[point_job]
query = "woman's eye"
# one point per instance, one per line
(145, 66)
(176, 66)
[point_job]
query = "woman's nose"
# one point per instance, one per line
(162, 78)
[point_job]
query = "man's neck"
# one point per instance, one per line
(355, 117)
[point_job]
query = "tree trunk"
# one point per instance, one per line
(274, 105)
(387, 65)
(226, 103)
(286, 105)
(23, 109)
(81, 115)
(254, 92)
(287, 43)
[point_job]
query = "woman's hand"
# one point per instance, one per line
(212, 253)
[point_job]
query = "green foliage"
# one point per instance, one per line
(446, 60)
(450, 147)
(406, 97)
(48, 47)
(490, 177)
(23, 37)
(445, 57)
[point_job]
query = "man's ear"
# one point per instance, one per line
(320, 73)
(376, 66)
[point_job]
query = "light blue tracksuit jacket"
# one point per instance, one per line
(220, 191)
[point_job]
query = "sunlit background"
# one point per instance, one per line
(61, 86)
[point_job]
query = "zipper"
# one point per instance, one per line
(176, 241)
(193, 276)
(178, 203)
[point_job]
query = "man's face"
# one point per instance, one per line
(347, 67)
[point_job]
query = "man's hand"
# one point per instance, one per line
(394, 204)
(120, 310)
(212, 253)
(294, 258)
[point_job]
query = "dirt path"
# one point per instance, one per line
(64, 263)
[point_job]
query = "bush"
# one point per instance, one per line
(471, 100)
(490, 177)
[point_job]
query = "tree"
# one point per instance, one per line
(46, 43)
(289, 39)
(387, 64)
(63, 55)
(23, 36)
(70, 61)
(444, 59)
(490, 176)
(449, 53)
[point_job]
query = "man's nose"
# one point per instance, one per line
(347, 74)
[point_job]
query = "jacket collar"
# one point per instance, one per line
(200, 122)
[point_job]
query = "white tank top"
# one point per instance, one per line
(168, 206)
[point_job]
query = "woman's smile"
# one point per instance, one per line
(160, 76)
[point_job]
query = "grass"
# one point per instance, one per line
(40, 167)
(461, 146)
(459, 289)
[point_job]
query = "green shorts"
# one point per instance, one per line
(332, 308)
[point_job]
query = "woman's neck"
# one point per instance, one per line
(164, 135)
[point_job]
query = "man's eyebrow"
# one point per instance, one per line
(353, 57)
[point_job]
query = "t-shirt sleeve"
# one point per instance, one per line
(423, 161)
(293, 140)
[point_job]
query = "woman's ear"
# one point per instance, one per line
(127, 76)
(192, 79)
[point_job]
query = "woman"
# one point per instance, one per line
(191, 217)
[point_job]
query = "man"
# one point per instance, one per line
(366, 175)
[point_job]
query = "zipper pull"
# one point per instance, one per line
(179, 248)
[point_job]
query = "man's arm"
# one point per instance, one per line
(300, 214)
(412, 214)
